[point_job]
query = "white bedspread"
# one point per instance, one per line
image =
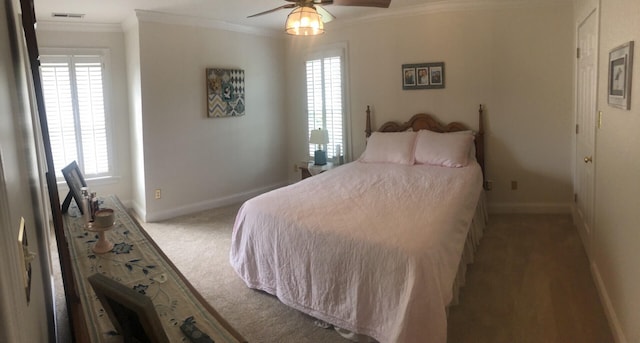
(372, 248)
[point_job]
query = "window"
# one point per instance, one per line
(325, 94)
(73, 87)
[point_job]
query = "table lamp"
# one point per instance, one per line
(319, 137)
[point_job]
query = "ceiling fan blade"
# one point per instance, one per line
(326, 15)
(273, 10)
(364, 3)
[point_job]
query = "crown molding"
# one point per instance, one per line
(130, 22)
(178, 19)
(49, 25)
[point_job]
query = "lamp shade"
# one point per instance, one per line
(304, 21)
(319, 136)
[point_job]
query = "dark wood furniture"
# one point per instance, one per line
(74, 310)
(423, 121)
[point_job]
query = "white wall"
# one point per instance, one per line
(116, 106)
(515, 61)
(201, 162)
(20, 197)
(616, 243)
(132, 43)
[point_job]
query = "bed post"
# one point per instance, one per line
(480, 143)
(368, 129)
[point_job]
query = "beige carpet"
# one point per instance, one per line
(530, 283)
(199, 246)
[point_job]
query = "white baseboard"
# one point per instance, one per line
(207, 204)
(614, 324)
(140, 212)
(128, 203)
(546, 208)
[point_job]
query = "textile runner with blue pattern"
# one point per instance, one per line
(136, 263)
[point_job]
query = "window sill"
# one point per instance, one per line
(95, 181)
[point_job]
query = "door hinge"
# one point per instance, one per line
(577, 129)
(599, 119)
(575, 197)
(577, 52)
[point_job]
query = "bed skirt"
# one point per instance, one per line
(476, 230)
(479, 222)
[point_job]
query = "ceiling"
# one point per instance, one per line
(229, 11)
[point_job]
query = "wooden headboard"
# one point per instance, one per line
(423, 121)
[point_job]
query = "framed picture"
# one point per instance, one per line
(133, 314)
(75, 181)
(620, 71)
(423, 75)
(225, 92)
(435, 76)
(408, 77)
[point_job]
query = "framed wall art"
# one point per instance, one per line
(423, 75)
(620, 72)
(408, 77)
(225, 92)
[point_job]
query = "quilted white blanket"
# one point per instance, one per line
(372, 248)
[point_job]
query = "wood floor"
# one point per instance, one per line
(530, 282)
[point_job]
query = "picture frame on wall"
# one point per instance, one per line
(435, 76)
(408, 76)
(620, 75)
(225, 92)
(423, 76)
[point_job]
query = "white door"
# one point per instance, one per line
(585, 126)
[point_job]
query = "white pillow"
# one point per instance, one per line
(390, 147)
(443, 149)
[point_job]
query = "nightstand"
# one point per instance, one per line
(311, 169)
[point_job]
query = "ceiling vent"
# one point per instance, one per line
(67, 15)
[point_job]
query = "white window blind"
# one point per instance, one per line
(74, 102)
(324, 101)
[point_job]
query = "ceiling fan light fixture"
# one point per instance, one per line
(304, 21)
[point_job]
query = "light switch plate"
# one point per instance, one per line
(25, 258)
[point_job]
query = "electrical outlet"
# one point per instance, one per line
(158, 193)
(514, 185)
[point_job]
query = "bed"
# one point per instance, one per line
(376, 247)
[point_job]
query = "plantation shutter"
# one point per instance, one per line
(324, 101)
(74, 102)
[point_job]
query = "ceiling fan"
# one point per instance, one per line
(308, 16)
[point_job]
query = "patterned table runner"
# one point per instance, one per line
(136, 263)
